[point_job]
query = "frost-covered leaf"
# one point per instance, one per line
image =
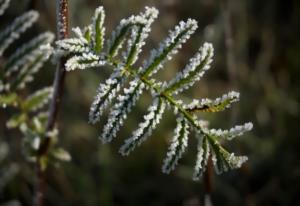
(193, 71)
(121, 109)
(18, 26)
(134, 31)
(178, 145)
(87, 33)
(73, 45)
(26, 71)
(119, 35)
(87, 60)
(98, 29)
(3, 6)
(151, 120)
(26, 53)
(139, 35)
(37, 100)
(169, 47)
(106, 92)
(202, 157)
(223, 160)
(238, 130)
(216, 105)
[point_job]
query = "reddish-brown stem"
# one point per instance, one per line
(58, 85)
(207, 181)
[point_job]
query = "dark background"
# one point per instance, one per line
(257, 52)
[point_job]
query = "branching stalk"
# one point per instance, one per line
(58, 85)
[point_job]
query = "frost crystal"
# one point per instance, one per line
(87, 60)
(98, 30)
(105, 94)
(169, 47)
(73, 45)
(216, 105)
(145, 129)
(121, 109)
(118, 36)
(202, 157)
(178, 145)
(238, 130)
(139, 35)
(193, 71)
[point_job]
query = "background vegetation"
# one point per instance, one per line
(257, 52)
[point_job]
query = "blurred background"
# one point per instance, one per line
(257, 52)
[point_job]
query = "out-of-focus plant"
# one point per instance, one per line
(18, 69)
(86, 50)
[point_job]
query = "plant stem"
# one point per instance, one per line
(58, 85)
(207, 181)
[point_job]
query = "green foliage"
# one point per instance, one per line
(85, 50)
(17, 70)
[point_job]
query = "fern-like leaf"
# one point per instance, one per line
(202, 157)
(105, 94)
(3, 6)
(26, 53)
(86, 50)
(230, 134)
(169, 47)
(151, 120)
(178, 145)
(216, 105)
(193, 71)
(13, 31)
(26, 71)
(120, 110)
(98, 29)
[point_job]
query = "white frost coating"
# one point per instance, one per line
(229, 161)
(236, 161)
(87, 60)
(27, 52)
(170, 46)
(105, 94)
(73, 45)
(178, 145)
(202, 157)
(3, 6)
(99, 13)
(121, 109)
(116, 35)
(145, 129)
(138, 38)
(217, 104)
(236, 131)
(194, 70)
(13, 31)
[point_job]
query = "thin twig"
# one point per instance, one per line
(58, 85)
(207, 181)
